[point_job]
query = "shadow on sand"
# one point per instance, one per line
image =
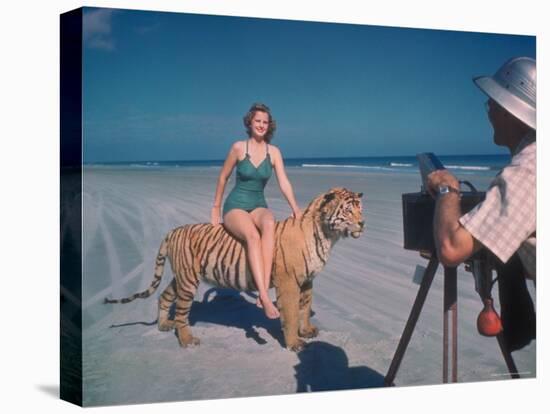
(228, 307)
(324, 367)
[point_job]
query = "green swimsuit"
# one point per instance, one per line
(248, 193)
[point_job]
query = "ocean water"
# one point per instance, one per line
(463, 164)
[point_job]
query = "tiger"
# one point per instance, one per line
(210, 253)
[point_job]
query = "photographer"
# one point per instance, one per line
(505, 222)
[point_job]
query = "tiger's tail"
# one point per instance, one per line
(159, 270)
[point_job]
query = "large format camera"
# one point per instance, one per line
(418, 208)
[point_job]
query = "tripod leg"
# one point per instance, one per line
(454, 312)
(485, 292)
(450, 303)
(413, 318)
(512, 369)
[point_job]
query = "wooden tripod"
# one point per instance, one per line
(449, 305)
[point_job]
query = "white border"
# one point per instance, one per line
(30, 152)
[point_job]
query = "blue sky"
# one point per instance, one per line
(173, 86)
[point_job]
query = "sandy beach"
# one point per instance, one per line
(361, 300)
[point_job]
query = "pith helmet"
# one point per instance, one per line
(514, 87)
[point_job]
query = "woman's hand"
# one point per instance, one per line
(297, 213)
(215, 216)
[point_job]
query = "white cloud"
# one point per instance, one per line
(97, 29)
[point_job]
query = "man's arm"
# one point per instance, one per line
(453, 242)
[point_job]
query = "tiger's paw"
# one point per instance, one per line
(186, 339)
(296, 346)
(166, 325)
(193, 341)
(310, 332)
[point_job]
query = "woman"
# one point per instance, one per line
(245, 212)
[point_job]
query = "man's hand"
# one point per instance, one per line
(453, 242)
(441, 178)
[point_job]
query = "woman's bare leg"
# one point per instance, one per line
(240, 224)
(265, 222)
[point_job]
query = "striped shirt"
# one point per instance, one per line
(505, 222)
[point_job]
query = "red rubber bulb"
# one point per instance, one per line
(488, 321)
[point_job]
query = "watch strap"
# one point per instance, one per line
(445, 189)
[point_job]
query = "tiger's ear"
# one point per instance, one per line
(327, 199)
(359, 195)
(329, 196)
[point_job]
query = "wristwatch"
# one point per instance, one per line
(445, 189)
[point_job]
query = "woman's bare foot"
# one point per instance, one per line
(270, 310)
(259, 303)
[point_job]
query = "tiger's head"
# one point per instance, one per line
(340, 211)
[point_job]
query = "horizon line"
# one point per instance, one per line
(285, 159)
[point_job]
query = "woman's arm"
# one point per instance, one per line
(225, 173)
(284, 183)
